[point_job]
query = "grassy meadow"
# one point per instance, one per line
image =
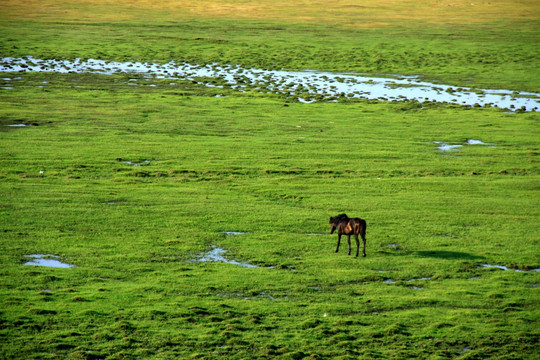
(485, 44)
(132, 182)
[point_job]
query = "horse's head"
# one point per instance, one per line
(333, 225)
(334, 221)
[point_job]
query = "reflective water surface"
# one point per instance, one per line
(46, 260)
(306, 86)
(217, 255)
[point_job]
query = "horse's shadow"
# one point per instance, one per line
(449, 255)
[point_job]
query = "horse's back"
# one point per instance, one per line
(358, 224)
(348, 225)
(358, 221)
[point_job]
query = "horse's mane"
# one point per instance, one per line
(341, 217)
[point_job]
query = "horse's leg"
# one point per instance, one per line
(349, 241)
(338, 241)
(357, 244)
(363, 233)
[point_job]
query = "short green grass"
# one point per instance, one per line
(485, 48)
(276, 170)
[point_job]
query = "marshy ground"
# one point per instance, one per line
(192, 219)
(302, 86)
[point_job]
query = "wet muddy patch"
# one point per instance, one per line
(233, 233)
(46, 260)
(217, 255)
(303, 86)
(444, 147)
(390, 248)
(504, 268)
(22, 125)
(407, 283)
(476, 142)
(144, 162)
(138, 162)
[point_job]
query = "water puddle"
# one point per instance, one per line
(304, 86)
(46, 260)
(507, 269)
(447, 147)
(476, 142)
(233, 233)
(145, 162)
(216, 255)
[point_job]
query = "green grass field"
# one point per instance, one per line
(490, 45)
(133, 183)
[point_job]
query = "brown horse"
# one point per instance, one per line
(349, 226)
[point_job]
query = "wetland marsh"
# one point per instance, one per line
(180, 167)
(303, 86)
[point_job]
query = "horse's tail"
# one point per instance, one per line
(363, 226)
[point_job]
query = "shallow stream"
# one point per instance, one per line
(305, 86)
